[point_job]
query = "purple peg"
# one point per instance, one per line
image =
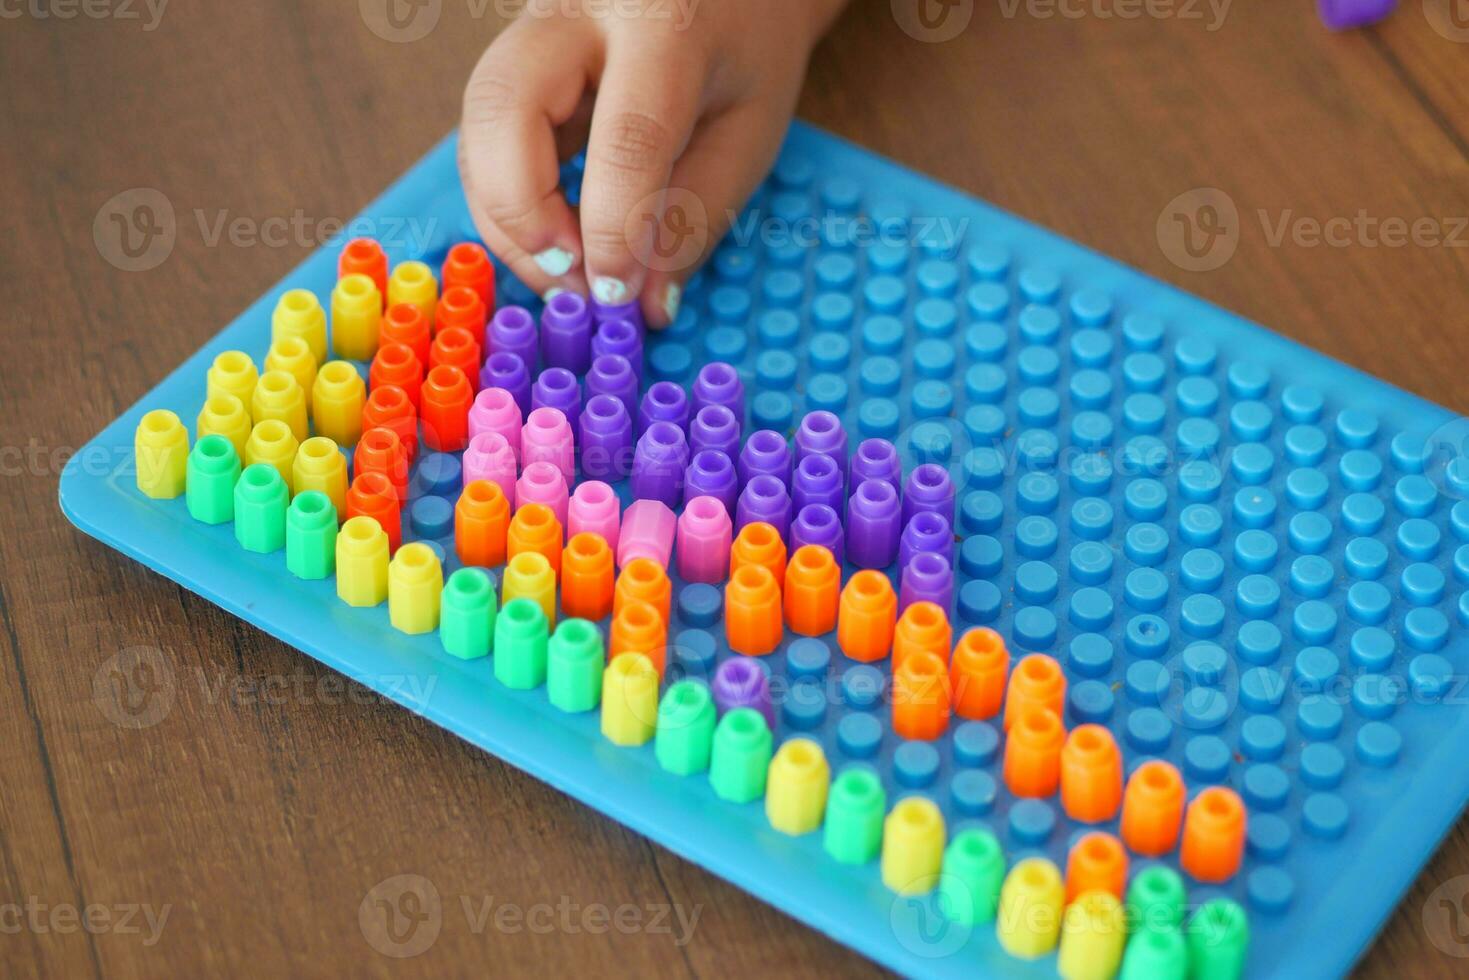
(606, 313)
(506, 370)
(566, 333)
(818, 480)
(818, 524)
(740, 682)
(658, 464)
(927, 577)
(711, 474)
(623, 338)
(1340, 15)
(929, 488)
(822, 432)
(765, 451)
(874, 519)
(715, 427)
(513, 331)
(876, 459)
(557, 388)
(719, 383)
(664, 402)
(764, 499)
(611, 374)
(605, 440)
(927, 532)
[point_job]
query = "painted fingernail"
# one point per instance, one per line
(672, 298)
(555, 261)
(609, 291)
(552, 293)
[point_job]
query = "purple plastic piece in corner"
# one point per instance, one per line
(711, 474)
(740, 682)
(719, 383)
(611, 374)
(929, 488)
(715, 427)
(822, 433)
(821, 525)
(766, 452)
(874, 521)
(764, 499)
(927, 578)
(566, 333)
(606, 439)
(658, 465)
(629, 311)
(512, 330)
(876, 459)
(623, 338)
(1340, 15)
(506, 370)
(927, 532)
(818, 480)
(663, 402)
(557, 388)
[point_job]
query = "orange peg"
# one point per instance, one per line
(1213, 835)
(923, 626)
(380, 451)
(388, 407)
(397, 365)
(1033, 753)
(468, 264)
(813, 586)
(1097, 862)
(456, 347)
(977, 673)
(404, 324)
(752, 611)
(444, 408)
(461, 307)
(481, 522)
(645, 580)
(535, 528)
(586, 577)
(866, 616)
(1037, 681)
(759, 543)
(365, 256)
(1091, 775)
(921, 696)
(373, 495)
(1152, 808)
(637, 628)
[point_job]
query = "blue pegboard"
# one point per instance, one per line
(1227, 539)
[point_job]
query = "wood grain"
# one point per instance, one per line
(263, 818)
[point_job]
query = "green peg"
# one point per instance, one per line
(209, 478)
(521, 637)
(1156, 898)
(1155, 954)
(855, 808)
(1218, 937)
(311, 536)
(260, 509)
(574, 663)
(467, 614)
(685, 728)
(973, 871)
(741, 756)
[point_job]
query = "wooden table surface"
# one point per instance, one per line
(270, 797)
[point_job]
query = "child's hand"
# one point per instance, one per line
(691, 94)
